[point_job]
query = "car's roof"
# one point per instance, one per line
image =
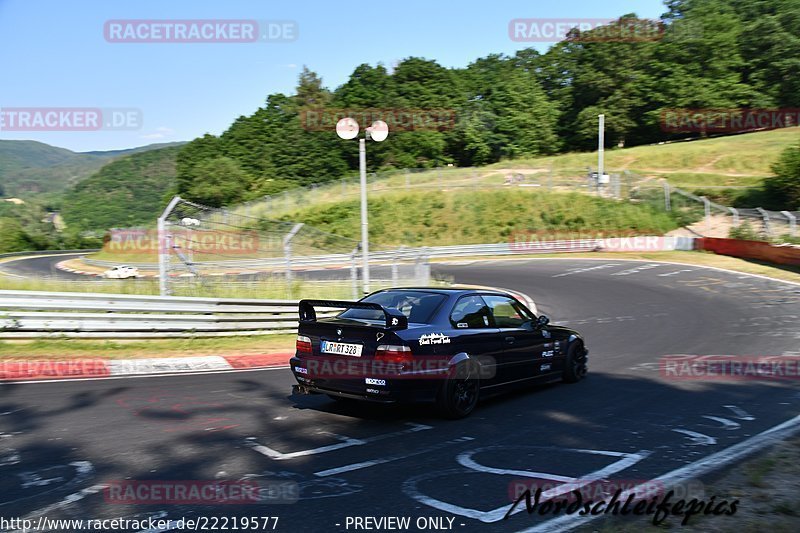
(446, 290)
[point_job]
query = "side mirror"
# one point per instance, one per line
(542, 321)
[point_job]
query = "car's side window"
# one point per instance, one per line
(470, 312)
(507, 312)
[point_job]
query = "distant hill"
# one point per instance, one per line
(21, 155)
(128, 191)
(28, 168)
(128, 151)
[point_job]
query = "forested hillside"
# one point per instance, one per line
(32, 169)
(126, 192)
(709, 54)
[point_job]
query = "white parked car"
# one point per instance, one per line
(121, 272)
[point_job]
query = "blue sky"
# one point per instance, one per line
(54, 54)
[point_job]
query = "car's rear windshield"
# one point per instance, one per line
(418, 306)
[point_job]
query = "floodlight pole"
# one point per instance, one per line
(362, 163)
(347, 128)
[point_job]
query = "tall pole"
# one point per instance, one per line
(163, 257)
(362, 163)
(165, 247)
(601, 132)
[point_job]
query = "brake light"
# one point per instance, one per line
(303, 345)
(393, 353)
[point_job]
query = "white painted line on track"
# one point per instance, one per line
(384, 460)
(691, 471)
(697, 439)
(726, 423)
(346, 442)
(740, 413)
(495, 515)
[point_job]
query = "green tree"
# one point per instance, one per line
(191, 156)
(13, 237)
(366, 87)
(220, 181)
(786, 182)
(310, 91)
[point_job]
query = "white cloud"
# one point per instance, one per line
(160, 133)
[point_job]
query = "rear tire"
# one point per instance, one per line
(459, 393)
(575, 365)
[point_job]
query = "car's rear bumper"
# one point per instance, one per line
(381, 389)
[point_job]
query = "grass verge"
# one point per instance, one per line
(748, 156)
(470, 217)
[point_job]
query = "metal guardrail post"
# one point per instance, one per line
(354, 271)
(792, 222)
(395, 259)
(735, 213)
(287, 254)
(765, 218)
(164, 247)
(707, 205)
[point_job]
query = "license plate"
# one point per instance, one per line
(341, 348)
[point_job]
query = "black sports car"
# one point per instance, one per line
(442, 345)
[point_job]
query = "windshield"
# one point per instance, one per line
(418, 306)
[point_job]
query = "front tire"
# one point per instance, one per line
(575, 365)
(459, 393)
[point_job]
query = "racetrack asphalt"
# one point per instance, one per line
(41, 266)
(45, 266)
(63, 442)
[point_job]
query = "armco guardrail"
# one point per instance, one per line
(34, 314)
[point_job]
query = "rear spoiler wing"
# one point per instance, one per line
(394, 318)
